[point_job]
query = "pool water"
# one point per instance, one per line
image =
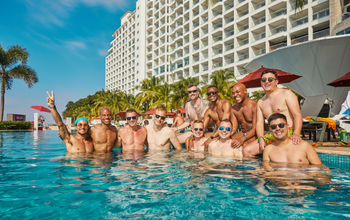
(39, 180)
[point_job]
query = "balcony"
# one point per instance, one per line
(216, 39)
(243, 57)
(278, 29)
(243, 42)
(217, 14)
(228, 7)
(243, 28)
(321, 33)
(229, 20)
(217, 52)
(229, 47)
(241, 1)
(259, 20)
(217, 26)
(278, 13)
(259, 36)
(300, 22)
(260, 51)
(259, 5)
(195, 36)
(229, 34)
(229, 61)
(279, 45)
(243, 13)
(320, 14)
(300, 39)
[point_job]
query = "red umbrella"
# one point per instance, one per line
(253, 79)
(182, 110)
(343, 81)
(40, 108)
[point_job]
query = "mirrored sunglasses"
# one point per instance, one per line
(221, 128)
(129, 118)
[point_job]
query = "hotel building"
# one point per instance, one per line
(172, 39)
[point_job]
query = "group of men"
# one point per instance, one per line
(213, 126)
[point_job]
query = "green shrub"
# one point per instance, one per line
(14, 125)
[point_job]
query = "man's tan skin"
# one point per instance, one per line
(197, 140)
(104, 135)
(245, 112)
(219, 110)
(160, 136)
(276, 100)
(282, 150)
(179, 120)
(82, 141)
(195, 110)
(222, 146)
(132, 137)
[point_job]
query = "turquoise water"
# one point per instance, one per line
(38, 180)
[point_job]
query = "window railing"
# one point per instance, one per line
(320, 14)
(278, 29)
(259, 5)
(229, 47)
(321, 33)
(259, 20)
(300, 39)
(275, 46)
(300, 22)
(278, 13)
(243, 57)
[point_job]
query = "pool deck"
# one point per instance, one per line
(337, 148)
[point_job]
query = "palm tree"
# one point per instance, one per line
(13, 66)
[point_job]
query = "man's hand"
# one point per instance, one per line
(237, 140)
(295, 138)
(50, 99)
(262, 144)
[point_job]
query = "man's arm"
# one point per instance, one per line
(226, 107)
(312, 156)
(266, 155)
(62, 129)
(174, 141)
(119, 140)
(206, 119)
(251, 132)
(260, 126)
(294, 109)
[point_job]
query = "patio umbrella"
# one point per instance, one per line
(182, 110)
(253, 79)
(343, 81)
(40, 108)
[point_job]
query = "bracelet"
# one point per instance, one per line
(245, 135)
(259, 138)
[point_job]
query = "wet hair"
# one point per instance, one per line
(104, 108)
(161, 108)
(191, 85)
(212, 86)
(226, 120)
(130, 110)
(269, 71)
(276, 116)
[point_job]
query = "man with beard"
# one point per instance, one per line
(159, 136)
(132, 137)
(104, 135)
(81, 142)
(245, 112)
(283, 150)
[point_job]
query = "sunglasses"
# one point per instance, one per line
(192, 91)
(196, 129)
(221, 128)
(270, 79)
(129, 118)
(82, 125)
(280, 125)
(211, 93)
(161, 117)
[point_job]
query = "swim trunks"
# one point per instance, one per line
(269, 138)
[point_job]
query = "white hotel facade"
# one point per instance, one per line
(172, 39)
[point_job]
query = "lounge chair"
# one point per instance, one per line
(315, 107)
(343, 118)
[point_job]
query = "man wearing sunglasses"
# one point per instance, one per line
(245, 112)
(283, 150)
(159, 136)
(196, 141)
(104, 135)
(132, 137)
(219, 110)
(276, 100)
(195, 110)
(79, 143)
(221, 147)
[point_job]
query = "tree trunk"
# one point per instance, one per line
(2, 99)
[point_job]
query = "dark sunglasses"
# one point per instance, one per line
(129, 118)
(161, 117)
(221, 128)
(270, 79)
(280, 125)
(211, 93)
(196, 129)
(192, 91)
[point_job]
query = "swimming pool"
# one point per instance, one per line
(39, 180)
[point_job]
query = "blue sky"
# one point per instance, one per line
(67, 41)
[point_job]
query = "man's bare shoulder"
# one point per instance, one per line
(251, 101)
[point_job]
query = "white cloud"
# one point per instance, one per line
(102, 52)
(109, 4)
(73, 45)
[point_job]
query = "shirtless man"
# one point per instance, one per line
(132, 137)
(197, 140)
(82, 141)
(160, 136)
(104, 135)
(283, 150)
(222, 146)
(276, 100)
(245, 112)
(179, 120)
(195, 110)
(219, 110)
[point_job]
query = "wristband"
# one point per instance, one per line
(260, 138)
(245, 135)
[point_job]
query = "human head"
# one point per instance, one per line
(278, 126)
(198, 128)
(239, 92)
(212, 93)
(225, 129)
(178, 113)
(269, 80)
(81, 125)
(131, 117)
(193, 92)
(146, 122)
(105, 116)
(159, 115)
